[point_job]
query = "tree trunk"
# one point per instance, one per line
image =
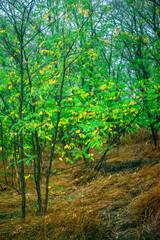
(3, 157)
(22, 178)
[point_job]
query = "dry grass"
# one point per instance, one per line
(123, 205)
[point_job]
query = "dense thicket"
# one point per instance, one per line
(74, 75)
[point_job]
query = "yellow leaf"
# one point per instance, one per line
(49, 114)
(12, 7)
(56, 110)
(57, 75)
(52, 81)
(81, 115)
(52, 20)
(10, 87)
(131, 103)
(45, 18)
(47, 51)
(157, 11)
(65, 16)
(87, 143)
(67, 146)
(40, 113)
(82, 135)
(80, 10)
(41, 72)
(35, 125)
(15, 40)
(61, 159)
(34, 27)
(11, 59)
(86, 14)
(146, 39)
(106, 40)
(41, 44)
(5, 119)
(141, 4)
(39, 133)
(49, 66)
(27, 177)
(48, 138)
(103, 86)
(2, 31)
(147, 3)
(49, 187)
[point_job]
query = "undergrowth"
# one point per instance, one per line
(121, 202)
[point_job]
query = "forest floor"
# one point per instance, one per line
(121, 202)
